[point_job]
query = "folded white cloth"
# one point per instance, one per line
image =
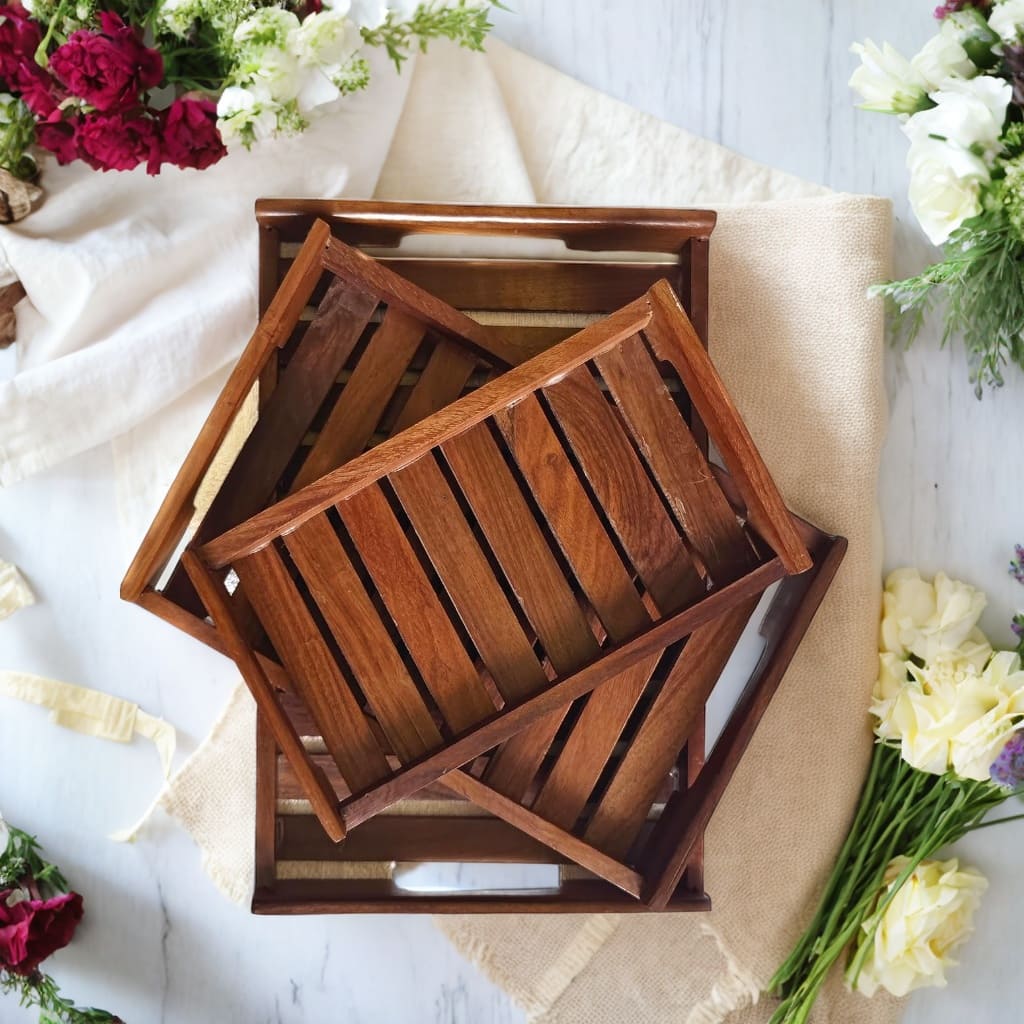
(140, 287)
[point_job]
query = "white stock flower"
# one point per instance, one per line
(924, 619)
(1007, 19)
(5, 832)
(246, 114)
(928, 918)
(942, 57)
(886, 80)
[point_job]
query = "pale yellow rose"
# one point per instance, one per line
(925, 619)
(950, 713)
(926, 921)
(989, 710)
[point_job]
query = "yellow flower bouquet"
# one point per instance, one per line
(948, 713)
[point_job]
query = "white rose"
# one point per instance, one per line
(1006, 19)
(886, 80)
(945, 188)
(942, 57)
(924, 619)
(928, 918)
(969, 113)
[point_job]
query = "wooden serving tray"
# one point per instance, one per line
(326, 592)
(559, 292)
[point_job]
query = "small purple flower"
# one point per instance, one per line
(1016, 569)
(1017, 625)
(1008, 767)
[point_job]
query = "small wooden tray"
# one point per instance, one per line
(453, 496)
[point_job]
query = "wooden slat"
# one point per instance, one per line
(467, 576)
(372, 222)
(399, 293)
(352, 619)
(273, 329)
(677, 463)
(669, 721)
(673, 338)
(559, 694)
(283, 420)
(582, 536)
(266, 796)
(523, 285)
(687, 818)
(449, 422)
(574, 523)
(363, 400)
(558, 839)
(441, 382)
(317, 677)
(627, 496)
(408, 838)
(536, 579)
(435, 646)
(313, 780)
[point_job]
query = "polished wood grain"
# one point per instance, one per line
(468, 579)
(513, 718)
(670, 720)
(420, 438)
(446, 668)
(535, 577)
(357, 412)
(315, 674)
(273, 330)
(673, 339)
(661, 434)
(442, 381)
(356, 626)
(314, 782)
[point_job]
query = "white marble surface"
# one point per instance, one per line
(158, 943)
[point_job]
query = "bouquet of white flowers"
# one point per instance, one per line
(961, 104)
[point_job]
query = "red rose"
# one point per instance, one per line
(115, 142)
(59, 136)
(19, 37)
(33, 929)
(190, 134)
(108, 68)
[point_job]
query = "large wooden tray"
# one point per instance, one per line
(608, 257)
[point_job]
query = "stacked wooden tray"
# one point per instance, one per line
(360, 578)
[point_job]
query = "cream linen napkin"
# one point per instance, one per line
(800, 346)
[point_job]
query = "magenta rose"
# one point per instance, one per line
(190, 134)
(109, 68)
(19, 37)
(33, 929)
(59, 135)
(116, 142)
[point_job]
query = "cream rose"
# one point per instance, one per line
(886, 80)
(928, 918)
(925, 619)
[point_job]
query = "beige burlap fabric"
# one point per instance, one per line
(800, 346)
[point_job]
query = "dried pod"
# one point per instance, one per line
(9, 297)
(17, 197)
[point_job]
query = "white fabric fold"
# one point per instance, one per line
(138, 288)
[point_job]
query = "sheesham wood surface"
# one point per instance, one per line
(671, 231)
(529, 506)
